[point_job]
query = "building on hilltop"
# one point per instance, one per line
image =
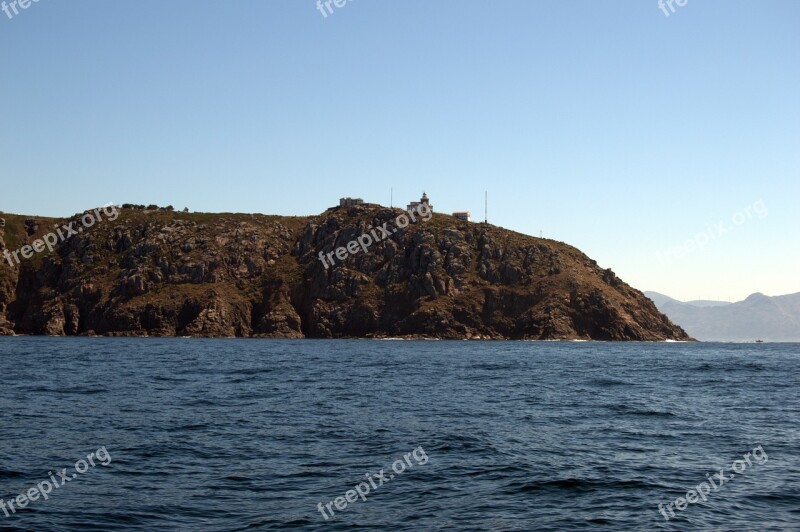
(463, 215)
(423, 200)
(350, 202)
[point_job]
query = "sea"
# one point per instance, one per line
(152, 434)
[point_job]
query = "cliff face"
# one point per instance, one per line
(155, 272)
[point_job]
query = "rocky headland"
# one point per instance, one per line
(156, 272)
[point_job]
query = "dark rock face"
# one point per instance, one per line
(174, 274)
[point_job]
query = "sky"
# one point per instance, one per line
(665, 147)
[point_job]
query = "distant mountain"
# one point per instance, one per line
(708, 303)
(759, 317)
(660, 299)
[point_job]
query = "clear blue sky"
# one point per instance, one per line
(606, 125)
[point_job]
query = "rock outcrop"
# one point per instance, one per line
(163, 273)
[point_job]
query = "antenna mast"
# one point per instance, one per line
(486, 207)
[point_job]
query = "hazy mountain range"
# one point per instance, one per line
(759, 317)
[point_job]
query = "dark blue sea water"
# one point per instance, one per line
(253, 434)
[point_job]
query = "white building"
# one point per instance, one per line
(463, 215)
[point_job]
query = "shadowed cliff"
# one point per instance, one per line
(158, 272)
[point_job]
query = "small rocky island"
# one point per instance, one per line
(156, 272)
